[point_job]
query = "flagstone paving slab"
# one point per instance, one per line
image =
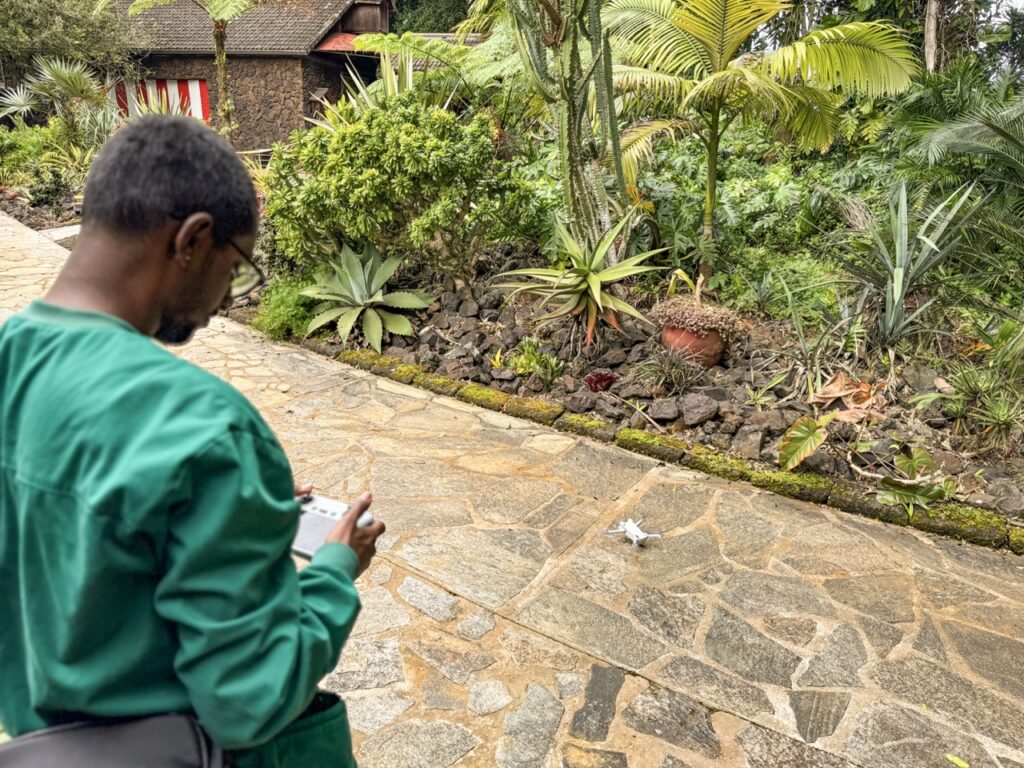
(760, 632)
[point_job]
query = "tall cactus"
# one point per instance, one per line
(552, 37)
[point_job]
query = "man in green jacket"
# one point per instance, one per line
(146, 509)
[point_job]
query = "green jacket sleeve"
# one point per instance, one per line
(254, 635)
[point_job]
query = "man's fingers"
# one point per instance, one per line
(303, 490)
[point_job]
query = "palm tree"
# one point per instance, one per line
(63, 87)
(221, 13)
(685, 54)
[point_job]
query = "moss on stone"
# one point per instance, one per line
(795, 485)
(662, 447)
(533, 409)
(711, 462)
(359, 358)
(587, 426)
(384, 365)
(404, 373)
(485, 397)
(1016, 539)
(849, 498)
(439, 384)
(979, 526)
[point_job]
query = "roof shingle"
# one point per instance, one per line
(276, 27)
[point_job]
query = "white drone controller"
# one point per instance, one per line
(318, 516)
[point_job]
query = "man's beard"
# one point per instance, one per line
(174, 331)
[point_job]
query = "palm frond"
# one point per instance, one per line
(638, 144)
(659, 40)
(416, 47)
(723, 26)
(870, 58)
(754, 92)
(227, 10)
(18, 102)
(814, 119)
(657, 85)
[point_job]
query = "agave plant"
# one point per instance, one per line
(581, 289)
(355, 288)
(893, 270)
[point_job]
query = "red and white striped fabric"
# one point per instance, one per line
(184, 97)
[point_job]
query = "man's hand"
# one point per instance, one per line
(302, 491)
(363, 541)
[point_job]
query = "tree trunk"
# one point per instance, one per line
(931, 34)
(225, 106)
(711, 186)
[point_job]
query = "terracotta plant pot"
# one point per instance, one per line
(706, 350)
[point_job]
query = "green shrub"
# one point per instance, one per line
(406, 178)
(22, 147)
(284, 312)
(49, 188)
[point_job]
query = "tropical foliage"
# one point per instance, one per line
(694, 58)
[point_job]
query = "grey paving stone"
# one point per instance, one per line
(601, 471)
(584, 624)
(422, 477)
(369, 711)
(767, 749)
(922, 682)
(887, 736)
(417, 744)
(994, 657)
(673, 718)
(367, 662)
(488, 696)
(592, 720)
(599, 566)
(748, 536)
(568, 684)
(944, 590)
(550, 512)
(512, 500)
(671, 505)
(567, 530)
(380, 613)
(766, 594)
(476, 625)
(526, 648)
(738, 646)
(403, 515)
(674, 762)
(818, 713)
(381, 574)
(579, 757)
(883, 596)
(715, 687)
(882, 636)
(928, 641)
(837, 663)
(673, 618)
(437, 692)
(529, 732)
(487, 566)
(432, 601)
(666, 560)
(795, 630)
(453, 658)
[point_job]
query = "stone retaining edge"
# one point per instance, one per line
(959, 521)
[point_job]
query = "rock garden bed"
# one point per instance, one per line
(727, 420)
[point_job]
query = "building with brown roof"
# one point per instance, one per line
(282, 55)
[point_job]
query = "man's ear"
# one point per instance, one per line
(194, 235)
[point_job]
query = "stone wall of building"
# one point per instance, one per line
(271, 94)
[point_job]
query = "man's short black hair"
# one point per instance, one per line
(157, 167)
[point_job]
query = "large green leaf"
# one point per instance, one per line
(404, 300)
(396, 323)
(346, 321)
(385, 273)
(325, 317)
(372, 327)
(800, 441)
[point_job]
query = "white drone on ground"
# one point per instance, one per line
(632, 530)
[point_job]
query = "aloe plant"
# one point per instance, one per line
(355, 288)
(581, 289)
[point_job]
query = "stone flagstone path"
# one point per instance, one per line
(501, 628)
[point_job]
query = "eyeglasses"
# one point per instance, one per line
(245, 277)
